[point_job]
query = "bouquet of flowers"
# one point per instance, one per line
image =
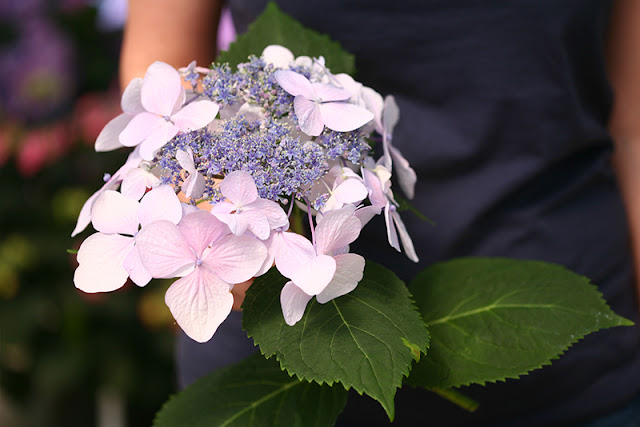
(225, 178)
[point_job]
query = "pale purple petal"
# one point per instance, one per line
(133, 265)
(100, 260)
(237, 224)
(373, 102)
(376, 192)
(291, 251)
(201, 229)
(194, 185)
(344, 117)
(185, 160)
(270, 259)
(349, 271)
(327, 93)
(113, 212)
(366, 213)
(159, 137)
(407, 243)
(140, 128)
(293, 301)
(109, 137)
(391, 114)
(309, 116)
(84, 218)
(337, 229)
(195, 115)
(160, 203)
(276, 216)
(160, 89)
(130, 101)
(236, 259)
(392, 234)
(406, 175)
(199, 302)
(188, 209)
(350, 191)
(294, 83)
(136, 182)
(163, 249)
(316, 274)
(239, 188)
(257, 222)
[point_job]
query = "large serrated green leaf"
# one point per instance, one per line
(495, 318)
(253, 393)
(276, 27)
(366, 339)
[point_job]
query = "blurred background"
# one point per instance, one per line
(68, 358)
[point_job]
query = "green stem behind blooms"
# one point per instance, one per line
(454, 396)
(295, 220)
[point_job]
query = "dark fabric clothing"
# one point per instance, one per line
(504, 105)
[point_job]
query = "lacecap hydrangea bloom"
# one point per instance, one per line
(216, 170)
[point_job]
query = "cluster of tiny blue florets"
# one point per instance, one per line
(351, 146)
(254, 82)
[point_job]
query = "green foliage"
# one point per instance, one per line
(276, 27)
(492, 319)
(252, 393)
(366, 339)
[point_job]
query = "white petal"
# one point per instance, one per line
(201, 229)
(236, 259)
(278, 56)
(366, 213)
(271, 210)
(199, 302)
(350, 191)
(109, 137)
(391, 114)
(195, 115)
(327, 93)
(344, 117)
(185, 160)
(315, 275)
(136, 182)
(194, 185)
(293, 301)
(392, 235)
(291, 251)
(160, 89)
(131, 102)
(113, 212)
(349, 271)
(100, 260)
(309, 116)
(160, 203)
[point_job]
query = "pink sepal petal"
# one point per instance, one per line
(160, 89)
(407, 243)
(392, 234)
(140, 128)
(256, 222)
(136, 182)
(109, 137)
(136, 271)
(163, 249)
(390, 115)
(160, 203)
(113, 212)
(309, 116)
(194, 185)
(366, 213)
(130, 102)
(196, 115)
(350, 191)
(239, 188)
(337, 229)
(349, 272)
(269, 260)
(236, 259)
(84, 218)
(406, 175)
(199, 302)
(272, 211)
(295, 84)
(159, 137)
(294, 302)
(237, 224)
(100, 258)
(291, 252)
(201, 229)
(328, 93)
(344, 117)
(315, 275)
(188, 209)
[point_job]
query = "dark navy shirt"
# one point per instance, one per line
(504, 106)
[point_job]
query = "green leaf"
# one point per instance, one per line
(492, 319)
(276, 27)
(253, 393)
(366, 339)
